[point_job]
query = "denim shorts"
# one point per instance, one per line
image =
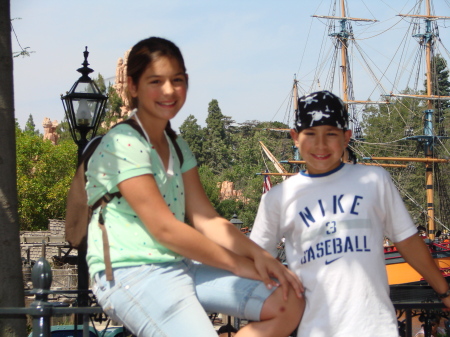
(170, 299)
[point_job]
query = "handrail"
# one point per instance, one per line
(41, 310)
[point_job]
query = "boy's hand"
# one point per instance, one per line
(269, 268)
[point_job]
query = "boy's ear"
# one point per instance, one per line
(294, 136)
(347, 136)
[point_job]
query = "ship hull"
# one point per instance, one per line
(400, 272)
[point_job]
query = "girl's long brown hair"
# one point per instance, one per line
(143, 54)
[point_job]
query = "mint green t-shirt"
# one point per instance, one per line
(122, 154)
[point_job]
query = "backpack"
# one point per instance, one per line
(79, 213)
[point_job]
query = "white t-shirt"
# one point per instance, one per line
(334, 225)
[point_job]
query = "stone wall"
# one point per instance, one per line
(53, 246)
(50, 243)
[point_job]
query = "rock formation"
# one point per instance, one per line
(50, 130)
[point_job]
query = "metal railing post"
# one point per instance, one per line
(41, 276)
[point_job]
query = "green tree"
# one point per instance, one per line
(63, 131)
(248, 159)
(44, 173)
(216, 143)
(245, 159)
(30, 127)
(227, 208)
(393, 131)
(113, 111)
(440, 80)
(210, 184)
(11, 290)
(192, 133)
(440, 87)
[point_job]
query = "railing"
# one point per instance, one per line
(417, 301)
(41, 310)
(408, 300)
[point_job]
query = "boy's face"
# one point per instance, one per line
(321, 147)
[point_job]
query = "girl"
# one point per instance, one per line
(156, 288)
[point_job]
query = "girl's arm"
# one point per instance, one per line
(144, 197)
(417, 254)
(204, 217)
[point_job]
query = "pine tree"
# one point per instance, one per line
(30, 127)
(216, 143)
(192, 133)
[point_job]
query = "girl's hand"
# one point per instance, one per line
(245, 267)
(268, 268)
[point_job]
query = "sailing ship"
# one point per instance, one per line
(423, 108)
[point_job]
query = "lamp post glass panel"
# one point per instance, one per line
(84, 107)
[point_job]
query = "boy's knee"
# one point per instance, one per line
(276, 306)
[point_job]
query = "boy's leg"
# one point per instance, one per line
(278, 317)
(221, 291)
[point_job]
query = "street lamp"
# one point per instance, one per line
(237, 222)
(84, 106)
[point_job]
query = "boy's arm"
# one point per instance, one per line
(416, 253)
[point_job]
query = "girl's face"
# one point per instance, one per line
(161, 90)
(321, 147)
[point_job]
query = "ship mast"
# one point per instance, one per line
(343, 37)
(344, 41)
(428, 139)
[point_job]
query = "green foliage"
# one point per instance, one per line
(392, 131)
(30, 127)
(440, 81)
(113, 111)
(210, 183)
(227, 151)
(44, 173)
(216, 150)
(227, 208)
(192, 133)
(63, 131)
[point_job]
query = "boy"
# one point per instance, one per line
(334, 217)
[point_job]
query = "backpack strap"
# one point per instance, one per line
(131, 122)
(105, 240)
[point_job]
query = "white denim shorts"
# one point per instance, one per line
(170, 299)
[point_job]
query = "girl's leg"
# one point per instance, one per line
(221, 291)
(154, 301)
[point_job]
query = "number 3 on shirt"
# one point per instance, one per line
(331, 227)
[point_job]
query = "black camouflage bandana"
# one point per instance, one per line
(321, 108)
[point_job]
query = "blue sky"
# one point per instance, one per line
(244, 53)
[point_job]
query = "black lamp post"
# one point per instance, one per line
(84, 106)
(237, 222)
